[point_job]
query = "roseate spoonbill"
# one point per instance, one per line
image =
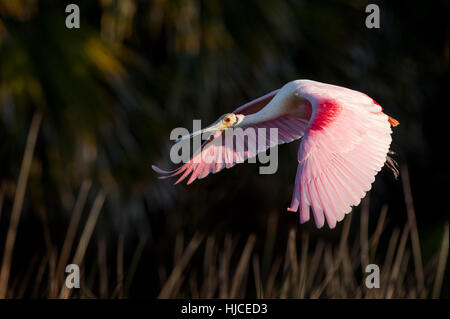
(345, 143)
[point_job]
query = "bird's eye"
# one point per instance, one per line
(227, 119)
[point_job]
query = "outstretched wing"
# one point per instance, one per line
(345, 145)
(218, 153)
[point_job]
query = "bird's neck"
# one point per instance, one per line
(265, 114)
(280, 105)
(249, 120)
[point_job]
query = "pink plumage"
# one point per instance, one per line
(345, 143)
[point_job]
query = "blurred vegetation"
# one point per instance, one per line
(110, 92)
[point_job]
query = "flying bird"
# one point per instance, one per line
(345, 140)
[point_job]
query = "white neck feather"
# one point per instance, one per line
(271, 111)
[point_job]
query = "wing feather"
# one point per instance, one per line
(339, 157)
(215, 155)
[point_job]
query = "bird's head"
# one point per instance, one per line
(224, 122)
(228, 120)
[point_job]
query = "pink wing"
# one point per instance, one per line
(345, 145)
(215, 154)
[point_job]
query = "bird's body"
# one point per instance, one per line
(345, 142)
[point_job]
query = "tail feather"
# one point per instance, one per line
(393, 121)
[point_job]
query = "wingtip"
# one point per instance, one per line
(332, 226)
(160, 171)
(178, 181)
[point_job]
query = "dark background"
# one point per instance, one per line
(111, 92)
